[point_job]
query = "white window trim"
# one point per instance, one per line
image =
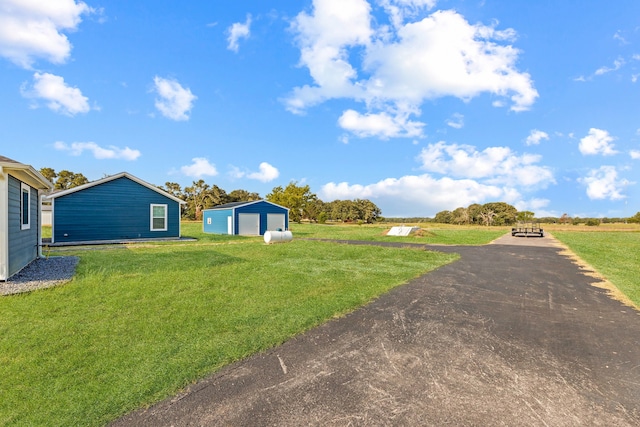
(166, 217)
(25, 188)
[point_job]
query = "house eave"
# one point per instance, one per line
(111, 178)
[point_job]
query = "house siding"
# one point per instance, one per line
(23, 244)
(263, 208)
(218, 219)
(114, 210)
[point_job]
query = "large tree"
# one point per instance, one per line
(525, 216)
(353, 210)
(443, 217)
(474, 213)
(635, 218)
(503, 213)
(64, 179)
(460, 216)
(198, 197)
(174, 189)
(295, 197)
(242, 196)
(369, 212)
(49, 173)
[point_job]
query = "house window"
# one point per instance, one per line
(159, 217)
(25, 206)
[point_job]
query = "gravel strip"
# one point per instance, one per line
(41, 273)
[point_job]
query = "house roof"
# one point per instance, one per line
(24, 173)
(234, 205)
(111, 178)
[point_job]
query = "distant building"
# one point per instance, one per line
(20, 218)
(245, 218)
(46, 214)
(116, 208)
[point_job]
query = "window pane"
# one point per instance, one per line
(158, 223)
(25, 207)
(158, 217)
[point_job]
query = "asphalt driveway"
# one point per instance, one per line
(512, 334)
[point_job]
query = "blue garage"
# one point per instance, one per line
(246, 218)
(116, 208)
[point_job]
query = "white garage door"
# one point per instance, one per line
(275, 221)
(249, 224)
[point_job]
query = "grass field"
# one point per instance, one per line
(438, 234)
(614, 254)
(139, 322)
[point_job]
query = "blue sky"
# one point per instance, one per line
(418, 105)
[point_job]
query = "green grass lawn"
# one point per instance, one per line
(432, 234)
(139, 322)
(614, 254)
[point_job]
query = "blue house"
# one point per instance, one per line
(245, 218)
(116, 208)
(21, 187)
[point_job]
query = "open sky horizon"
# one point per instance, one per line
(417, 105)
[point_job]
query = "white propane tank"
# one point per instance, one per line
(277, 237)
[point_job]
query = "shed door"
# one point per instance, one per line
(275, 221)
(249, 224)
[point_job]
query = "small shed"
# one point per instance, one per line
(21, 188)
(245, 218)
(116, 208)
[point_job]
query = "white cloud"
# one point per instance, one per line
(597, 142)
(323, 39)
(399, 10)
(174, 101)
(267, 173)
(58, 96)
(443, 55)
(536, 136)
(418, 193)
(238, 31)
(31, 29)
(111, 152)
(468, 176)
(617, 64)
(438, 56)
(493, 165)
(603, 183)
(635, 154)
(199, 168)
(620, 38)
(382, 125)
(456, 121)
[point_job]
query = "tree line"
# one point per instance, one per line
(500, 213)
(305, 205)
(302, 203)
(494, 213)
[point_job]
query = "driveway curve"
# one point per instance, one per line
(514, 333)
